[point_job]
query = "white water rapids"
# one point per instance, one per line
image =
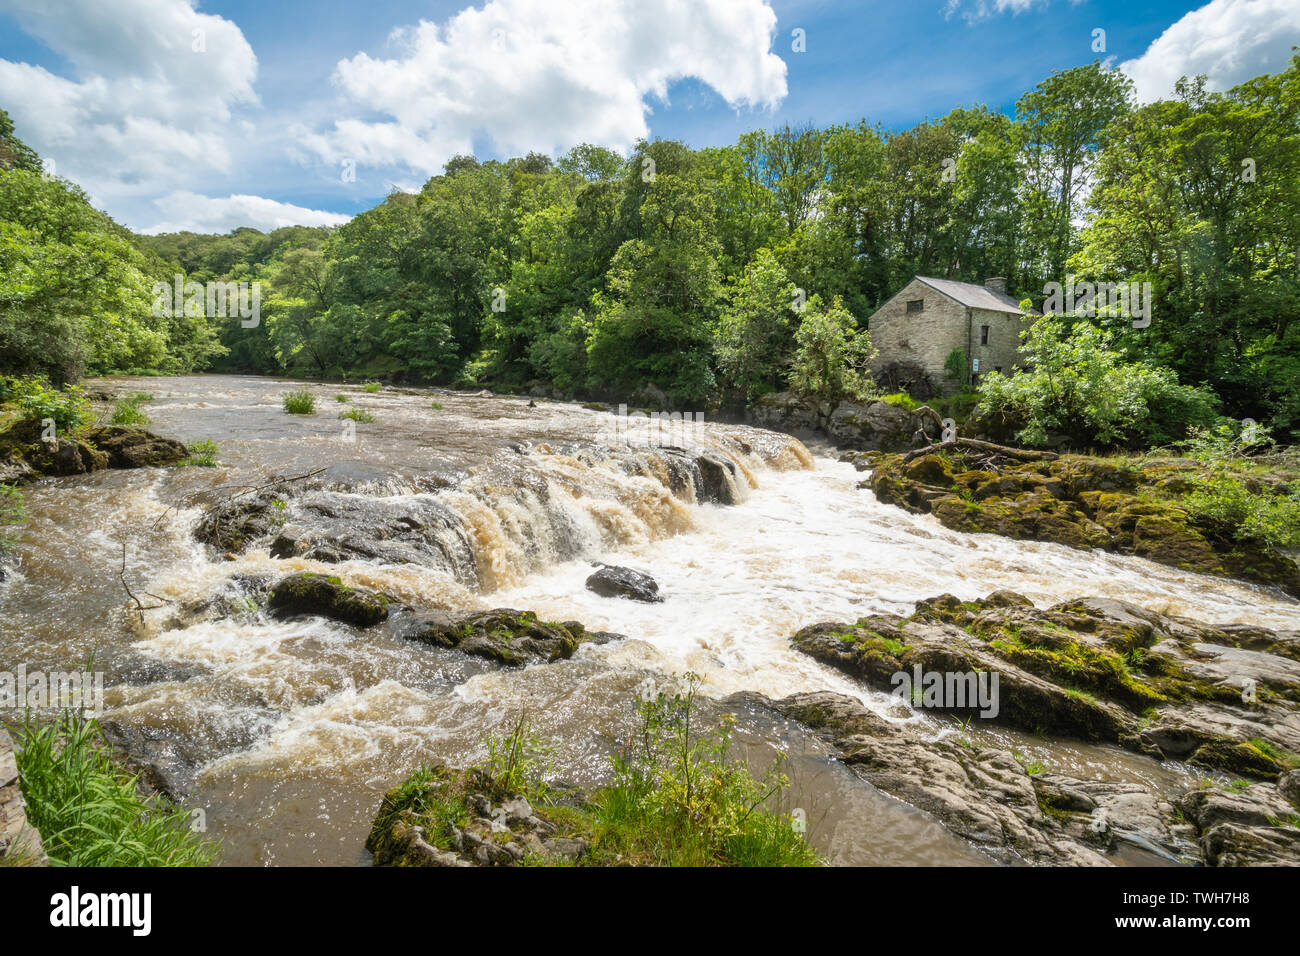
(292, 730)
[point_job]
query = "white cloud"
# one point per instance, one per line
(148, 108)
(529, 76)
(190, 211)
(978, 10)
(1228, 40)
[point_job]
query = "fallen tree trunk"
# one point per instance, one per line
(988, 447)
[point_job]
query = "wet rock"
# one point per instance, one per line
(406, 833)
(26, 454)
(984, 794)
(234, 525)
(1079, 502)
(717, 480)
(1255, 826)
(1093, 668)
(136, 448)
(865, 426)
(503, 635)
(316, 594)
(613, 581)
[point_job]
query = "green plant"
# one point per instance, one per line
(957, 368)
(437, 406)
(901, 400)
(372, 387)
(519, 760)
(357, 415)
(1266, 516)
(127, 410)
(203, 453)
(67, 407)
(13, 513)
(301, 402)
(679, 799)
(89, 810)
(340, 397)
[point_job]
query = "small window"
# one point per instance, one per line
(915, 305)
(984, 335)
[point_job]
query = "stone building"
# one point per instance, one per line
(928, 319)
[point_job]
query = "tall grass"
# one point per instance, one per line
(203, 453)
(301, 402)
(372, 387)
(357, 415)
(127, 411)
(88, 809)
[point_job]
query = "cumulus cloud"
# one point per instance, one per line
(190, 211)
(149, 103)
(983, 9)
(528, 76)
(1228, 40)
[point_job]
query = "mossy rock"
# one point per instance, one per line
(503, 635)
(316, 594)
(136, 448)
(1242, 759)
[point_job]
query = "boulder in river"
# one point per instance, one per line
(614, 581)
(317, 594)
(135, 447)
(503, 635)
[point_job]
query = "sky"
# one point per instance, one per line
(211, 114)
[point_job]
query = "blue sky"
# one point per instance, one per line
(207, 115)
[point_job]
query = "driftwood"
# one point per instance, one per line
(121, 574)
(227, 499)
(986, 447)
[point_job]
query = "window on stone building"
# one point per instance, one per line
(915, 305)
(984, 335)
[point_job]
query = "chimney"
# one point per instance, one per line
(996, 284)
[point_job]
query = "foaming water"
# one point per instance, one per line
(288, 732)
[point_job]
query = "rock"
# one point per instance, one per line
(863, 426)
(316, 594)
(503, 635)
(136, 448)
(612, 581)
(717, 482)
(1079, 502)
(234, 525)
(1288, 785)
(1254, 826)
(25, 454)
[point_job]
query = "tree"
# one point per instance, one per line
(754, 335)
(831, 354)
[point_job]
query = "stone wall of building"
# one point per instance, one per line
(1003, 349)
(924, 337)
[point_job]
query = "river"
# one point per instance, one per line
(287, 733)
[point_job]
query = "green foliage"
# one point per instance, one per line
(754, 333)
(340, 397)
(1081, 386)
(1270, 517)
(357, 415)
(519, 760)
(957, 367)
(301, 402)
(679, 799)
(372, 388)
(127, 410)
(88, 809)
(831, 354)
(13, 514)
(66, 406)
(436, 405)
(203, 454)
(901, 400)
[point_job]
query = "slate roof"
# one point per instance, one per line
(974, 296)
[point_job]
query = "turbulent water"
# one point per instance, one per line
(286, 733)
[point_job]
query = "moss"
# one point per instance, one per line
(308, 593)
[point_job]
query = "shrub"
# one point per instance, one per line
(437, 406)
(831, 354)
(1079, 385)
(901, 400)
(88, 809)
(203, 453)
(301, 402)
(372, 387)
(1268, 517)
(340, 397)
(357, 415)
(67, 406)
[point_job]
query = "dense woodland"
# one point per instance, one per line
(721, 274)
